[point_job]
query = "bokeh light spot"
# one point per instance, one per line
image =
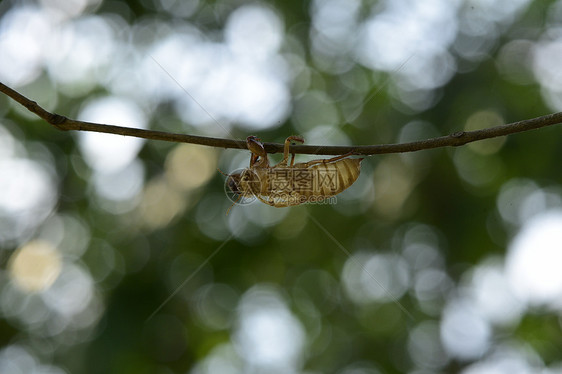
(268, 336)
(465, 334)
(477, 169)
(108, 152)
(28, 196)
(71, 293)
(394, 181)
(15, 359)
(314, 109)
(25, 26)
(534, 258)
(190, 166)
(35, 266)
(482, 120)
(493, 295)
(425, 347)
(375, 277)
(254, 31)
(160, 204)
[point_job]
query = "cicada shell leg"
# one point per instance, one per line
(286, 150)
(234, 203)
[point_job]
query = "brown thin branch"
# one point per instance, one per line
(456, 139)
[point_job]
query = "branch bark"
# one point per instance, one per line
(453, 140)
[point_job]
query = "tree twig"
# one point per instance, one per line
(456, 139)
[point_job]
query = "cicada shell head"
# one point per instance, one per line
(233, 182)
(244, 185)
(244, 182)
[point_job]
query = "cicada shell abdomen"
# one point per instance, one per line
(334, 177)
(308, 182)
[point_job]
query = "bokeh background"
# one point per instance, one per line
(116, 255)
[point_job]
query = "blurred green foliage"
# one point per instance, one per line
(433, 210)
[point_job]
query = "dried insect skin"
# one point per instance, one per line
(286, 185)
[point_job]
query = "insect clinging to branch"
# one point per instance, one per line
(287, 184)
